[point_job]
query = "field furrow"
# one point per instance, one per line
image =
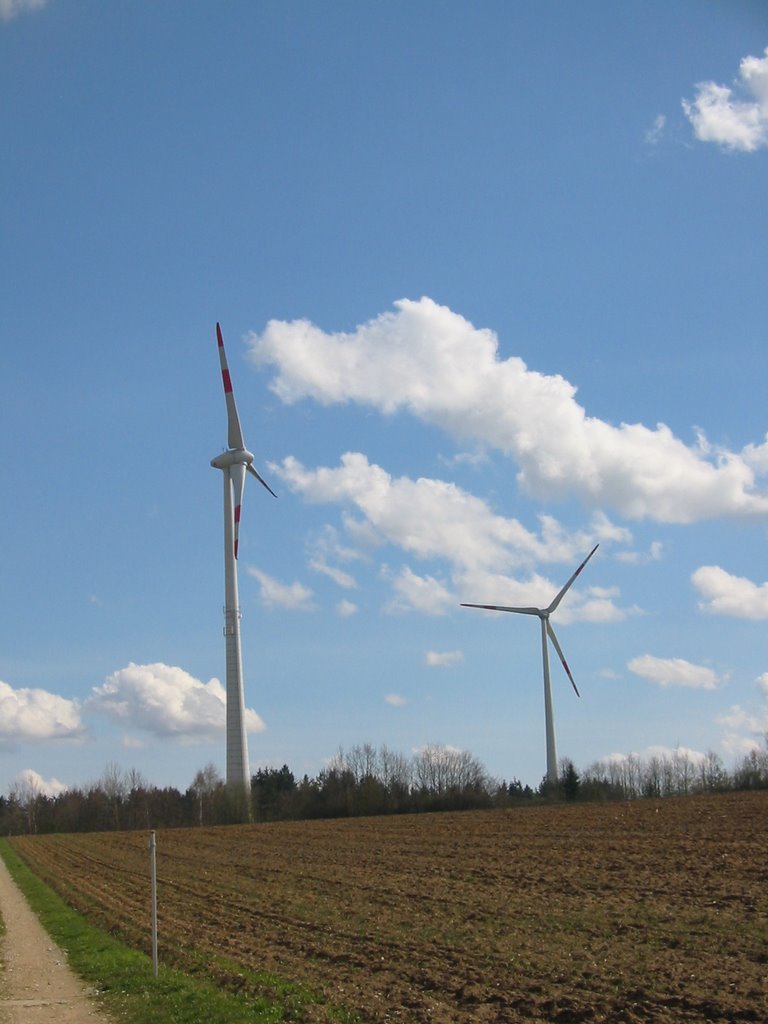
(647, 911)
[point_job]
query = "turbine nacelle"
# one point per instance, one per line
(233, 457)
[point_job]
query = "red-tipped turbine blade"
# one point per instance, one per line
(235, 433)
(237, 475)
(562, 593)
(561, 656)
(261, 481)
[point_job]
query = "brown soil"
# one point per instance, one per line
(651, 911)
(37, 986)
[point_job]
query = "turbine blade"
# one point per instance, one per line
(561, 656)
(235, 433)
(562, 593)
(261, 481)
(237, 475)
(502, 608)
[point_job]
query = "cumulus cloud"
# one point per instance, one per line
(587, 604)
(13, 8)
(428, 360)
(654, 553)
(736, 118)
(594, 604)
(747, 728)
(32, 715)
(674, 672)
(167, 702)
(432, 519)
(291, 596)
(663, 753)
(426, 517)
(28, 783)
(724, 594)
(418, 593)
(443, 659)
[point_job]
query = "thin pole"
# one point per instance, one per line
(153, 873)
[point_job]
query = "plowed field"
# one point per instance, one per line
(647, 911)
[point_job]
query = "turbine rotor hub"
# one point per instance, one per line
(232, 457)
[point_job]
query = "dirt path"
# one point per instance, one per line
(36, 985)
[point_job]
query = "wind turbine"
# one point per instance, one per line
(546, 631)
(234, 463)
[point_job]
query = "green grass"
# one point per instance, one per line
(218, 993)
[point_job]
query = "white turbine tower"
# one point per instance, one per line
(546, 631)
(234, 463)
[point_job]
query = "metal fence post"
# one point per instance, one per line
(153, 872)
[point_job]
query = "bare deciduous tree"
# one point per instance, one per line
(206, 783)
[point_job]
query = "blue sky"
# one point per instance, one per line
(493, 285)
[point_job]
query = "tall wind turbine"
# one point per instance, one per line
(234, 463)
(546, 631)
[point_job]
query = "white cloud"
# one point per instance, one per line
(13, 8)
(674, 753)
(654, 553)
(585, 604)
(31, 716)
(28, 782)
(747, 729)
(418, 593)
(166, 701)
(756, 456)
(717, 115)
(428, 360)
(291, 596)
(738, 717)
(655, 133)
(339, 577)
(661, 752)
(674, 672)
(443, 659)
(736, 745)
(346, 608)
(432, 519)
(326, 549)
(725, 594)
(396, 700)
(593, 604)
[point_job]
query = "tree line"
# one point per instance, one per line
(364, 780)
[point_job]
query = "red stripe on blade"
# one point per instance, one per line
(227, 382)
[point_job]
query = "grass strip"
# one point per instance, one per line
(125, 983)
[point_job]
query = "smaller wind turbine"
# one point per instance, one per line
(234, 463)
(546, 631)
